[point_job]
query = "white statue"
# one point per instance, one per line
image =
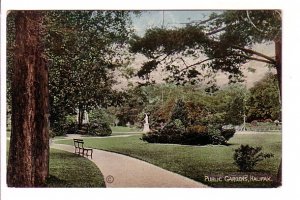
(146, 124)
(146, 119)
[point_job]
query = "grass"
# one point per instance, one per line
(120, 129)
(196, 162)
(60, 137)
(70, 170)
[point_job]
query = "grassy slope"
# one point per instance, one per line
(196, 161)
(70, 170)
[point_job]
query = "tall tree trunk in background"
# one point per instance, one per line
(80, 117)
(278, 53)
(278, 58)
(28, 162)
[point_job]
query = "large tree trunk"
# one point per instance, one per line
(278, 58)
(28, 162)
(278, 53)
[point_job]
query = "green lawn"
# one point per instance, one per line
(196, 162)
(121, 129)
(70, 170)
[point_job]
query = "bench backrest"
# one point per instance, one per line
(78, 143)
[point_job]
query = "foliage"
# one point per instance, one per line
(101, 115)
(225, 106)
(170, 133)
(180, 112)
(84, 50)
(222, 42)
(99, 129)
(175, 132)
(247, 157)
(214, 135)
(228, 133)
(264, 102)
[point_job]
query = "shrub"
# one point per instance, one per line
(101, 115)
(196, 135)
(228, 133)
(71, 128)
(197, 129)
(215, 136)
(171, 133)
(99, 129)
(217, 139)
(152, 137)
(63, 128)
(246, 157)
(175, 132)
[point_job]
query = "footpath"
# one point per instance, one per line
(122, 171)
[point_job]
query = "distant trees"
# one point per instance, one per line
(224, 106)
(263, 102)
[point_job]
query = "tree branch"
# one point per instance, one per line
(248, 16)
(253, 58)
(198, 63)
(272, 61)
(216, 31)
(184, 62)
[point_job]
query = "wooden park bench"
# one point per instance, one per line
(81, 150)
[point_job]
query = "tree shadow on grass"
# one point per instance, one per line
(53, 181)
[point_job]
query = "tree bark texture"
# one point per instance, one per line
(28, 162)
(278, 58)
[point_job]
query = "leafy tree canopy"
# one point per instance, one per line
(222, 42)
(84, 49)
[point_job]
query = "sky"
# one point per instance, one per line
(167, 19)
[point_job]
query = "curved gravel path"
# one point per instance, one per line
(124, 171)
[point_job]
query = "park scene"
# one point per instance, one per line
(144, 99)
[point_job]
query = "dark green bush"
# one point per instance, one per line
(176, 133)
(215, 137)
(228, 133)
(170, 133)
(99, 129)
(63, 128)
(71, 128)
(196, 135)
(246, 157)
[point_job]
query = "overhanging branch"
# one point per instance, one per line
(271, 60)
(198, 63)
(256, 59)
